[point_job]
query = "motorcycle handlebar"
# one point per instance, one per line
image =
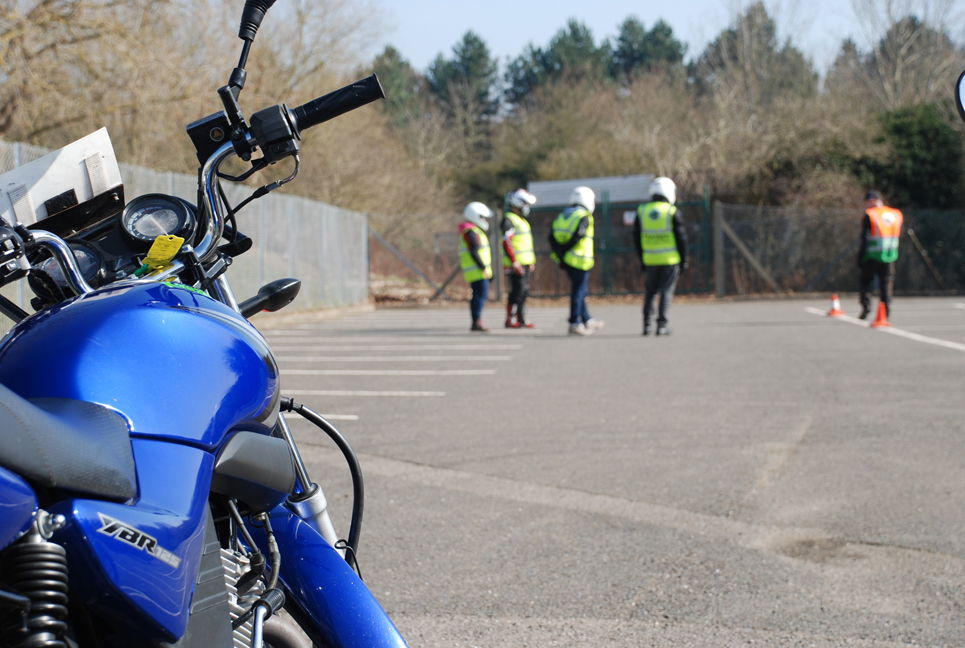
(336, 103)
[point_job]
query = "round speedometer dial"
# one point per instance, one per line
(148, 217)
(88, 259)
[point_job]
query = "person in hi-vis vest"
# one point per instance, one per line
(476, 259)
(520, 258)
(661, 241)
(571, 240)
(880, 231)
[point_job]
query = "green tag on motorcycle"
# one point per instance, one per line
(175, 284)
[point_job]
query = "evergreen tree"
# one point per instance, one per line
(573, 50)
(402, 84)
(638, 50)
(467, 80)
(571, 53)
(524, 74)
(925, 167)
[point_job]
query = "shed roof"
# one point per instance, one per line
(623, 189)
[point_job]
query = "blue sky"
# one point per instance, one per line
(421, 29)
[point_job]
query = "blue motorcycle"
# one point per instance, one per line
(151, 491)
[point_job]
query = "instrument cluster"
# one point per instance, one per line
(153, 215)
(113, 248)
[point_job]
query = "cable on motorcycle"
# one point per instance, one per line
(257, 559)
(268, 188)
(274, 555)
(230, 217)
(269, 597)
(11, 310)
(256, 166)
(344, 546)
(358, 503)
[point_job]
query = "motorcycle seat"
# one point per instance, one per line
(68, 444)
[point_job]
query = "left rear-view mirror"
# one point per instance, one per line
(960, 96)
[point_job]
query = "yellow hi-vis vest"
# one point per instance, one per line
(656, 234)
(885, 232)
(580, 256)
(522, 241)
(470, 270)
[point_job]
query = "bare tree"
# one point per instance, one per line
(912, 57)
(44, 46)
(748, 58)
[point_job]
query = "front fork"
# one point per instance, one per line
(310, 504)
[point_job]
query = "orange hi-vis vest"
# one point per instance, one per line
(885, 231)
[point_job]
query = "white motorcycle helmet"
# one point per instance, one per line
(521, 200)
(664, 187)
(584, 197)
(478, 214)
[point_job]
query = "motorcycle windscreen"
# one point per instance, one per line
(71, 176)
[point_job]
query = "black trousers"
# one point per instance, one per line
(519, 291)
(886, 281)
(661, 280)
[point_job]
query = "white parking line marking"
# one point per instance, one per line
(323, 336)
(458, 317)
(894, 331)
(396, 359)
(961, 306)
(388, 372)
(379, 394)
(936, 327)
(340, 417)
(405, 347)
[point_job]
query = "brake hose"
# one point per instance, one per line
(358, 502)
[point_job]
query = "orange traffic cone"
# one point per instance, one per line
(835, 306)
(882, 318)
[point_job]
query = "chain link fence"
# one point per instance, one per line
(786, 249)
(749, 250)
(324, 246)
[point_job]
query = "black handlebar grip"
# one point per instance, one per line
(252, 16)
(337, 103)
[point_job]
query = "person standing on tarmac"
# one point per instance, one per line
(572, 243)
(475, 257)
(880, 230)
(520, 259)
(661, 242)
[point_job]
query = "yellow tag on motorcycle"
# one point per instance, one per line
(163, 251)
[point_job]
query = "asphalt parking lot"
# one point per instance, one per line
(765, 476)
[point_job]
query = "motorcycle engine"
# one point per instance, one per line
(281, 631)
(235, 566)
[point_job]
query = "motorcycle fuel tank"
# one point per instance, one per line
(180, 365)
